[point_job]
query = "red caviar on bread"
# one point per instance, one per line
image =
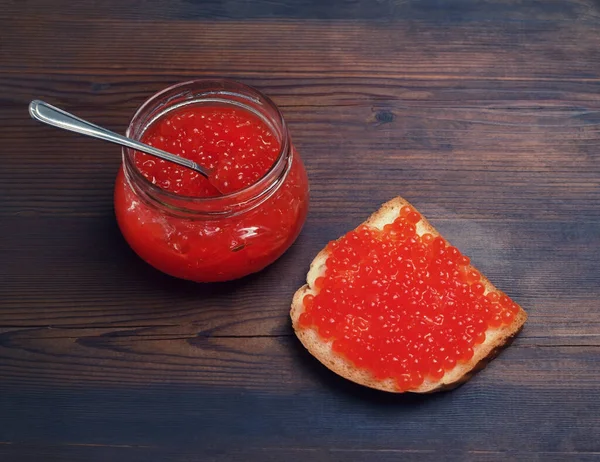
(393, 306)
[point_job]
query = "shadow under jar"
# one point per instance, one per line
(238, 222)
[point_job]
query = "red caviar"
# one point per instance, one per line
(235, 145)
(400, 305)
(240, 220)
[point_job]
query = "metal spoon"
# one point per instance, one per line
(56, 117)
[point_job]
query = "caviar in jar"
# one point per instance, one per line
(236, 222)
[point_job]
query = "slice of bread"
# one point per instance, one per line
(496, 338)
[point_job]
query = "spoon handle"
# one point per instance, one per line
(56, 117)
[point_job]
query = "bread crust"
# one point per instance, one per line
(496, 339)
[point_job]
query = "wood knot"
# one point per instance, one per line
(384, 116)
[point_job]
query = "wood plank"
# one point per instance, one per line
(117, 93)
(276, 364)
(462, 50)
(334, 415)
(103, 452)
(423, 10)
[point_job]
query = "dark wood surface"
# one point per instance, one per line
(484, 114)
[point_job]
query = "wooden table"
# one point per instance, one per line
(484, 114)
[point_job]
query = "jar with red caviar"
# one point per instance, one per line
(241, 219)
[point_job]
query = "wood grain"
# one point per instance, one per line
(501, 51)
(425, 10)
(485, 115)
(178, 354)
(101, 453)
(331, 418)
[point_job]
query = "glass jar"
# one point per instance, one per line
(212, 238)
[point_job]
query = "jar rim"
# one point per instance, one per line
(259, 186)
